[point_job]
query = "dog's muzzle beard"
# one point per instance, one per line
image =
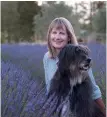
(85, 65)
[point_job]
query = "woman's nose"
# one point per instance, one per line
(57, 36)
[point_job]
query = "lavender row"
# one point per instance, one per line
(22, 74)
(21, 96)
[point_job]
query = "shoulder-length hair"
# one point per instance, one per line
(60, 22)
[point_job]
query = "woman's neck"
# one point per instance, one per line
(57, 51)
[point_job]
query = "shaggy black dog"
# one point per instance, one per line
(70, 93)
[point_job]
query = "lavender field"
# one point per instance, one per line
(22, 77)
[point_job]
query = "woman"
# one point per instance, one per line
(59, 34)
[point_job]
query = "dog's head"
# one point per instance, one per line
(74, 58)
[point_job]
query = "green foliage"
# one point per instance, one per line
(9, 19)
(16, 18)
(50, 11)
(96, 18)
(27, 10)
(20, 19)
(99, 20)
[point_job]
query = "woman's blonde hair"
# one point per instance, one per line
(60, 22)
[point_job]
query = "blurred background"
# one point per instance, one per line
(28, 21)
(24, 25)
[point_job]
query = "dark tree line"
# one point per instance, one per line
(16, 20)
(26, 21)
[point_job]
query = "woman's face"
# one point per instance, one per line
(58, 37)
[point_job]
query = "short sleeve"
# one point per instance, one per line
(96, 90)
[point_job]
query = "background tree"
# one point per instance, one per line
(27, 10)
(51, 10)
(21, 19)
(99, 16)
(94, 19)
(17, 18)
(9, 21)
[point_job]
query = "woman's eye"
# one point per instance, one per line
(54, 32)
(62, 33)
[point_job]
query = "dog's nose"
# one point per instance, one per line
(89, 60)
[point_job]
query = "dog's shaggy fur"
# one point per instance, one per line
(71, 86)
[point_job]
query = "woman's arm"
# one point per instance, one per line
(97, 93)
(45, 71)
(100, 103)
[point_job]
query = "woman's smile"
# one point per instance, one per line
(58, 41)
(58, 37)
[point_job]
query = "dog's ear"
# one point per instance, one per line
(79, 48)
(62, 53)
(86, 48)
(63, 61)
